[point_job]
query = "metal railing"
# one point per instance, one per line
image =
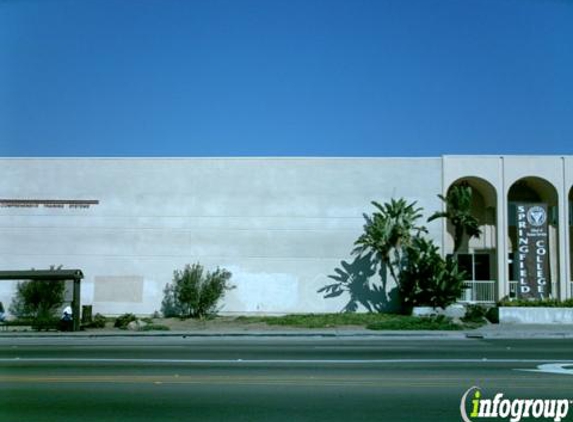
(484, 291)
(479, 291)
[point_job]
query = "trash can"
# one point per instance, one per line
(87, 317)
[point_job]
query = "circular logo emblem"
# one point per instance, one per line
(536, 216)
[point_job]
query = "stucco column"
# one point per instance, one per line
(501, 250)
(564, 232)
(501, 232)
(566, 263)
(564, 271)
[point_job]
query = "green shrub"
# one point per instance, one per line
(493, 315)
(475, 313)
(47, 323)
(122, 321)
(98, 321)
(170, 305)
(547, 303)
(194, 292)
(428, 279)
(39, 301)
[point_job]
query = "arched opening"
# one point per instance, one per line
(533, 244)
(477, 256)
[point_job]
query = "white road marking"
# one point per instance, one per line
(553, 368)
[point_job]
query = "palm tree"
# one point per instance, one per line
(458, 212)
(389, 231)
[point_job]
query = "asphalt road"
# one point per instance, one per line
(190, 379)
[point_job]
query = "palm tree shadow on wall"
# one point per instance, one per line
(359, 280)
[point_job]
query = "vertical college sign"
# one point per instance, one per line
(532, 256)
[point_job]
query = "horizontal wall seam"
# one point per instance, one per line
(131, 217)
(218, 229)
(187, 255)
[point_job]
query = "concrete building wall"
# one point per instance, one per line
(281, 226)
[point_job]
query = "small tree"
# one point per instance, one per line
(458, 212)
(423, 277)
(194, 292)
(389, 231)
(38, 300)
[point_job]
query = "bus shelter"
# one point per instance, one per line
(49, 276)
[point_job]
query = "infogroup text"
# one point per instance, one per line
(513, 409)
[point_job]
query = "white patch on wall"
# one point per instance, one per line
(87, 292)
(127, 289)
(265, 292)
(7, 292)
(152, 290)
(152, 293)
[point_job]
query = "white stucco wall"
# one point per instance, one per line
(281, 225)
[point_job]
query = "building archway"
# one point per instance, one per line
(478, 256)
(524, 193)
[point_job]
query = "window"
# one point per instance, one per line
(476, 266)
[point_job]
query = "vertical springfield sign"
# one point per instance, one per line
(532, 251)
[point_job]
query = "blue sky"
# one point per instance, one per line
(285, 77)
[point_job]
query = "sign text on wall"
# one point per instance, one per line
(532, 255)
(48, 203)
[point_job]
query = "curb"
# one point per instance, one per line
(498, 334)
(267, 334)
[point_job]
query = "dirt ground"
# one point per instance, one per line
(217, 324)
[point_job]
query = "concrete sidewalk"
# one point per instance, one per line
(493, 331)
(519, 331)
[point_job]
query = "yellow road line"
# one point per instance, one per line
(530, 382)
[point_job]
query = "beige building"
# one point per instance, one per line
(499, 184)
(284, 227)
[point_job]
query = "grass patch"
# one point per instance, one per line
(439, 322)
(372, 321)
(314, 320)
(155, 327)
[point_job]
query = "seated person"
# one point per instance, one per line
(66, 323)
